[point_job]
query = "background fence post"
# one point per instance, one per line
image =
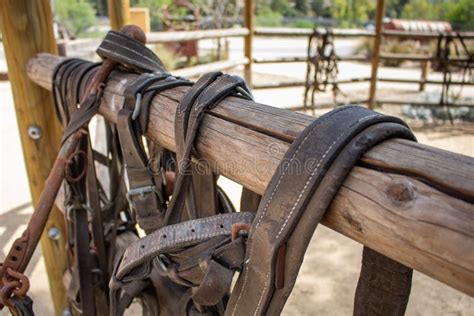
(376, 51)
(249, 14)
(425, 66)
(27, 30)
(119, 13)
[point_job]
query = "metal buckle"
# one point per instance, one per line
(164, 261)
(72, 207)
(237, 228)
(138, 106)
(142, 191)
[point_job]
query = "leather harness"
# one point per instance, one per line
(195, 240)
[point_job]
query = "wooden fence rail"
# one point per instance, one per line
(182, 36)
(414, 203)
(305, 32)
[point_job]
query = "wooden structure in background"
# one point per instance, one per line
(347, 33)
(249, 23)
(27, 30)
(380, 10)
(141, 18)
(182, 36)
(119, 13)
(427, 192)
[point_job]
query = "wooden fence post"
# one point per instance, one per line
(27, 30)
(119, 13)
(425, 66)
(249, 14)
(376, 51)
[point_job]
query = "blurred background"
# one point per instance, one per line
(424, 41)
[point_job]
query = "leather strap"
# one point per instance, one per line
(83, 261)
(206, 93)
(297, 197)
(85, 292)
(137, 256)
(144, 195)
(129, 53)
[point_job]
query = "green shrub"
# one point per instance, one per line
(302, 23)
(267, 17)
(76, 15)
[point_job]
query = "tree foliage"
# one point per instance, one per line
(357, 12)
(76, 15)
(461, 14)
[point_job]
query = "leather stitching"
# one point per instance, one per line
(245, 282)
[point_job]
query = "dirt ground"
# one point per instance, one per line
(326, 283)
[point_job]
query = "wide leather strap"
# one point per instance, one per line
(139, 254)
(129, 53)
(297, 197)
(198, 254)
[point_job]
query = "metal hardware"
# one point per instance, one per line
(239, 227)
(138, 105)
(164, 261)
(142, 192)
(34, 132)
(54, 233)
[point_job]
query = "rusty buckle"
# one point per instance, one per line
(237, 228)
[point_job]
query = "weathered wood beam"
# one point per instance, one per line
(411, 202)
(182, 36)
(27, 28)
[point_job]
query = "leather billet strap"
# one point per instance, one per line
(144, 194)
(130, 53)
(199, 254)
(297, 197)
(206, 93)
(69, 78)
(384, 285)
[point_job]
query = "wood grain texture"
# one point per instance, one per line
(27, 30)
(411, 202)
